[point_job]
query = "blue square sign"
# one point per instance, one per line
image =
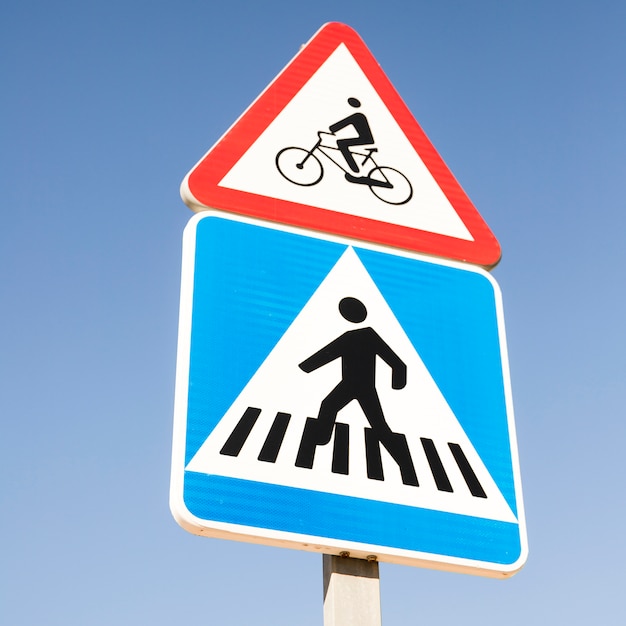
(337, 396)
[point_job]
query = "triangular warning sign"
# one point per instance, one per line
(330, 145)
(413, 453)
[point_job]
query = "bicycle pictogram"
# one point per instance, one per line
(303, 167)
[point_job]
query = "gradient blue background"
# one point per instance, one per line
(106, 106)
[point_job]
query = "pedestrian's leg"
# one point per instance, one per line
(395, 443)
(308, 443)
(318, 432)
(399, 450)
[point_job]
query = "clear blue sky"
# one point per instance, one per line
(105, 107)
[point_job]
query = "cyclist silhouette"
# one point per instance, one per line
(303, 166)
(358, 350)
(360, 124)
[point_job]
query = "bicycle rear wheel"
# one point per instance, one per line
(299, 166)
(400, 191)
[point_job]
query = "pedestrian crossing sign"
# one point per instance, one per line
(339, 396)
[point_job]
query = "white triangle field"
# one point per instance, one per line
(320, 103)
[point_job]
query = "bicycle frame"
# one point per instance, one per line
(325, 149)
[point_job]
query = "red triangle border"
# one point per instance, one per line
(200, 188)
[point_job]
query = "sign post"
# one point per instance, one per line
(351, 592)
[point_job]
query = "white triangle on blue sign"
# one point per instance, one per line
(418, 411)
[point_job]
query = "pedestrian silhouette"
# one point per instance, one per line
(364, 134)
(358, 350)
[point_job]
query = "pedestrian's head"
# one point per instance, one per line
(353, 310)
(353, 102)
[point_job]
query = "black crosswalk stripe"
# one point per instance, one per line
(341, 449)
(240, 433)
(471, 479)
(271, 447)
(341, 452)
(373, 459)
(436, 466)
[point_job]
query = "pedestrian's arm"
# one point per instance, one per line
(321, 357)
(398, 375)
(398, 368)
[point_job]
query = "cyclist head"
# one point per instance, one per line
(353, 102)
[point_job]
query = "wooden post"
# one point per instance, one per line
(351, 592)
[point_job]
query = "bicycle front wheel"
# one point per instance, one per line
(299, 166)
(399, 191)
